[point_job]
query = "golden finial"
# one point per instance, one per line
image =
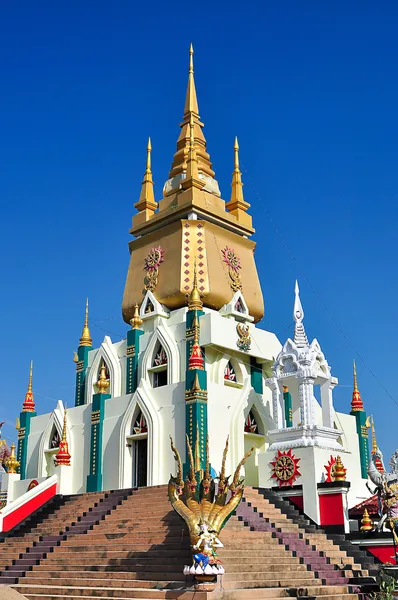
(195, 301)
(29, 403)
(191, 101)
(339, 470)
(64, 428)
(196, 385)
(367, 523)
(136, 321)
(355, 379)
(191, 114)
(86, 340)
(374, 442)
(147, 198)
(356, 402)
(11, 462)
(237, 202)
(103, 383)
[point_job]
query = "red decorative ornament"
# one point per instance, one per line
(34, 483)
(196, 361)
(285, 468)
(231, 259)
(330, 469)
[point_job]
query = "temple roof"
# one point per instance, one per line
(371, 504)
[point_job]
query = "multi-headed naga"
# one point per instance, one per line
(205, 509)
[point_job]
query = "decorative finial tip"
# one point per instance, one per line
(236, 144)
(191, 48)
(149, 146)
(296, 288)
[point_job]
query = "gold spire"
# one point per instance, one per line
(103, 382)
(64, 428)
(196, 385)
(237, 205)
(136, 321)
(191, 114)
(147, 198)
(86, 340)
(355, 377)
(197, 450)
(192, 174)
(195, 301)
(191, 100)
(29, 403)
(356, 402)
(374, 442)
(11, 462)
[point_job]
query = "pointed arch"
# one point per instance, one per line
(163, 338)
(239, 367)
(56, 420)
(107, 354)
(140, 401)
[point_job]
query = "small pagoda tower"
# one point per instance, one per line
(28, 411)
(358, 411)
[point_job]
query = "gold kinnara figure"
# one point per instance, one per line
(204, 509)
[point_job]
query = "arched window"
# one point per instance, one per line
(139, 425)
(159, 367)
(137, 443)
(253, 422)
(229, 372)
(54, 439)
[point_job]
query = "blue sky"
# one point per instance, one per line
(311, 90)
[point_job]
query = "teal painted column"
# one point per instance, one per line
(133, 349)
(256, 375)
(94, 479)
(23, 435)
(81, 373)
(357, 411)
(195, 384)
(362, 431)
(85, 345)
(288, 407)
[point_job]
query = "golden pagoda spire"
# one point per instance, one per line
(147, 198)
(86, 340)
(378, 463)
(237, 202)
(191, 115)
(29, 404)
(191, 100)
(195, 301)
(356, 402)
(136, 321)
(11, 462)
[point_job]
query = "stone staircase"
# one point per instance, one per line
(130, 544)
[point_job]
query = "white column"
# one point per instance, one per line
(327, 403)
(277, 402)
(306, 395)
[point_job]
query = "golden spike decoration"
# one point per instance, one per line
(374, 442)
(86, 340)
(191, 462)
(191, 101)
(235, 480)
(355, 377)
(197, 450)
(30, 377)
(17, 424)
(177, 457)
(195, 301)
(136, 321)
(224, 460)
(237, 202)
(147, 198)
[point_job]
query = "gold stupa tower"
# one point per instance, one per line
(191, 225)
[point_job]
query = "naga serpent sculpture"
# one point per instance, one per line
(205, 510)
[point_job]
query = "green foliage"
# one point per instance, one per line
(388, 585)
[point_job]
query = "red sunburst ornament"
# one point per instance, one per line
(330, 469)
(285, 468)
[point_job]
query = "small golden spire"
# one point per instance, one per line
(147, 198)
(237, 202)
(197, 450)
(367, 523)
(103, 383)
(136, 321)
(11, 462)
(196, 384)
(195, 301)
(29, 403)
(356, 402)
(339, 470)
(86, 340)
(374, 441)
(191, 101)
(64, 428)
